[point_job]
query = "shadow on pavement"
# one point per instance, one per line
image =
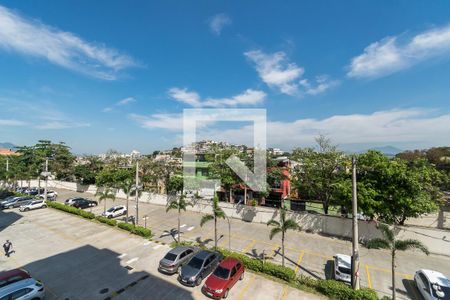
(7, 218)
(91, 273)
(411, 290)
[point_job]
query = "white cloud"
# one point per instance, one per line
(171, 122)
(415, 127)
(277, 72)
(393, 54)
(61, 125)
(30, 37)
(122, 102)
(322, 85)
(248, 97)
(218, 22)
(126, 101)
(11, 122)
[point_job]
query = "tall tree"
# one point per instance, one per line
(282, 227)
(217, 213)
(179, 204)
(390, 242)
(105, 194)
(318, 172)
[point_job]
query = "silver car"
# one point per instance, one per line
(175, 258)
(25, 289)
(199, 267)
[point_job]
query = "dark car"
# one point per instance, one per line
(199, 267)
(11, 276)
(83, 203)
(34, 191)
(175, 258)
(224, 277)
(17, 202)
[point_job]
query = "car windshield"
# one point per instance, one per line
(111, 209)
(445, 295)
(344, 270)
(195, 263)
(221, 272)
(170, 256)
(10, 280)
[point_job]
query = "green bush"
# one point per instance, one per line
(284, 273)
(336, 289)
(110, 222)
(144, 232)
(70, 209)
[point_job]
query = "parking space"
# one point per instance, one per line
(79, 259)
(253, 239)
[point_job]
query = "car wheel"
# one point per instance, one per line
(109, 217)
(198, 281)
(242, 276)
(44, 206)
(26, 209)
(225, 295)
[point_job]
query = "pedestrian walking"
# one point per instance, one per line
(7, 246)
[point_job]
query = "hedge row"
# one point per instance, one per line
(138, 230)
(257, 265)
(336, 289)
(71, 209)
(110, 222)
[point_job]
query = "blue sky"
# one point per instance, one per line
(101, 75)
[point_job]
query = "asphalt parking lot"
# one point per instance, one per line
(308, 254)
(79, 259)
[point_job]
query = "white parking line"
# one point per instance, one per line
(122, 255)
(156, 247)
(184, 225)
(132, 260)
(147, 243)
(190, 228)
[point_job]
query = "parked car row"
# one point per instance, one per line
(431, 285)
(34, 191)
(194, 265)
(18, 284)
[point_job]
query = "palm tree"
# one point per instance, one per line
(179, 205)
(282, 226)
(389, 242)
(107, 193)
(217, 213)
(127, 187)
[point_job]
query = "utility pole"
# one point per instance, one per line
(137, 192)
(46, 179)
(355, 254)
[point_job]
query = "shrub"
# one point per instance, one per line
(110, 222)
(70, 209)
(337, 290)
(139, 230)
(284, 273)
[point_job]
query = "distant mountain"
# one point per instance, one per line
(388, 150)
(7, 146)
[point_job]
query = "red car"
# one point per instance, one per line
(227, 273)
(8, 277)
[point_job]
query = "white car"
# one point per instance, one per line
(115, 211)
(25, 289)
(51, 195)
(343, 268)
(432, 285)
(35, 204)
